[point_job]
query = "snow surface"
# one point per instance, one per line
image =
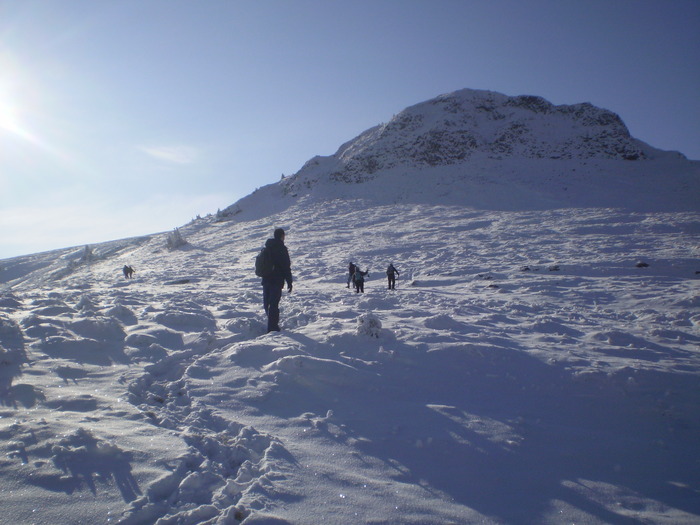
(539, 361)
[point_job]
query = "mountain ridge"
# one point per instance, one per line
(454, 127)
(492, 151)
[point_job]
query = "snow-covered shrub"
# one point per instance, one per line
(369, 324)
(10, 333)
(85, 304)
(175, 239)
(87, 255)
(123, 314)
(12, 354)
(228, 212)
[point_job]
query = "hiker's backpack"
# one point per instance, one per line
(264, 265)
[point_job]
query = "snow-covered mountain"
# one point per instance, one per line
(457, 127)
(538, 363)
(488, 150)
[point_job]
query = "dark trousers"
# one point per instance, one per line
(392, 281)
(272, 293)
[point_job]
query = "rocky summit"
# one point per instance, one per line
(456, 127)
(491, 151)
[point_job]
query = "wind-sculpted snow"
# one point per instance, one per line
(225, 459)
(527, 369)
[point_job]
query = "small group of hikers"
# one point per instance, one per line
(274, 266)
(357, 277)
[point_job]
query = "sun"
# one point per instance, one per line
(12, 101)
(8, 117)
(11, 123)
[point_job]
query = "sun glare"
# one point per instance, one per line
(18, 104)
(9, 119)
(12, 105)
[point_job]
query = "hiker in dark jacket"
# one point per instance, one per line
(272, 285)
(351, 272)
(391, 274)
(359, 279)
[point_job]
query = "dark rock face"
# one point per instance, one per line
(453, 128)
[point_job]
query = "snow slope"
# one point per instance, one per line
(538, 363)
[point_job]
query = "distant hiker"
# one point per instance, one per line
(128, 272)
(351, 272)
(391, 274)
(275, 270)
(359, 279)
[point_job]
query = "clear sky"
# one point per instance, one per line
(127, 117)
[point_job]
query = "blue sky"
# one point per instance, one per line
(127, 117)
